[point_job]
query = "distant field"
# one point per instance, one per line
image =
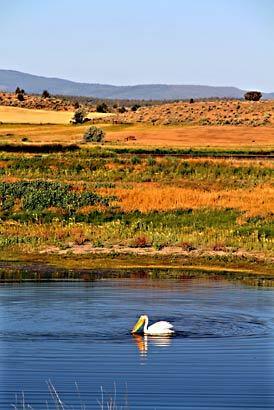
(218, 112)
(143, 135)
(31, 116)
(196, 136)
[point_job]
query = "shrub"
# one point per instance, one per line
(121, 110)
(253, 95)
(135, 160)
(40, 195)
(102, 108)
(94, 134)
(191, 101)
(20, 97)
(135, 107)
(45, 94)
(151, 161)
(79, 116)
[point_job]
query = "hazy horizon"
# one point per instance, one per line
(213, 43)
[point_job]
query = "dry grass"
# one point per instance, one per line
(196, 136)
(146, 136)
(219, 112)
(256, 201)
(35, 116)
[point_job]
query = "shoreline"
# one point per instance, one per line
(15, 267)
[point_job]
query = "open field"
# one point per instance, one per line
(35, 116)
(144, 135)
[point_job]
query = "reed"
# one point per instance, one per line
(104, 402)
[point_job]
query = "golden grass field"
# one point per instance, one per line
(33, 116)
(146, 198)
(196, 136)
(145, 135)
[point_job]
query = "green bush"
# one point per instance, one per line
(94, 134)
(40, 195)
(102, 108)
(79, 116)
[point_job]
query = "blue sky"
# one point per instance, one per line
(213, 42)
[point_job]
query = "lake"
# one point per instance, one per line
(77, 335)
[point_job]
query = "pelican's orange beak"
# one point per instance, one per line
(138, 325)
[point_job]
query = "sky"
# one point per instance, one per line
(209, 42)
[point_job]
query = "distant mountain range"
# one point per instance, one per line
(10, 79)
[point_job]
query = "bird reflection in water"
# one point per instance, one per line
(143, 342)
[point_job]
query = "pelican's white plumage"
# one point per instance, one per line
(157, 329)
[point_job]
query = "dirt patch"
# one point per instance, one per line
(88, 248)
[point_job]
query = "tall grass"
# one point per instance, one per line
(105, 401)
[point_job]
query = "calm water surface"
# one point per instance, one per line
(222, 356)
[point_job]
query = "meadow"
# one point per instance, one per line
(95, 198)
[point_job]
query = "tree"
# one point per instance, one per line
(253, 95)
(94, 134)
(20, 96)
(122, 110)
(45, 94)
(79, 116)
(135, 107)
(19, 90)
(102, 108)
(191, 101)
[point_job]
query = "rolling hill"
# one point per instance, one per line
(10, 79)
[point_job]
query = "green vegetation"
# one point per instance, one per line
(91, 196)
(79, 116)
(103, 166)
(94, 134)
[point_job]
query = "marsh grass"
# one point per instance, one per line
(105, 401)
(110, 197)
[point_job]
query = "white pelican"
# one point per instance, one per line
(157, 329)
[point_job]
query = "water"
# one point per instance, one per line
(220, 358)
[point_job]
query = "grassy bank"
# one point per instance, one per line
(115, 200)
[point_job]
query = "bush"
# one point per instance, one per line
(135, 160)
(191, 101)
(45, 94)
(79, 116)
(135, 107)
(20, 97)
(121, 110)
(102, 108)
(94, 134)
(253, 95)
